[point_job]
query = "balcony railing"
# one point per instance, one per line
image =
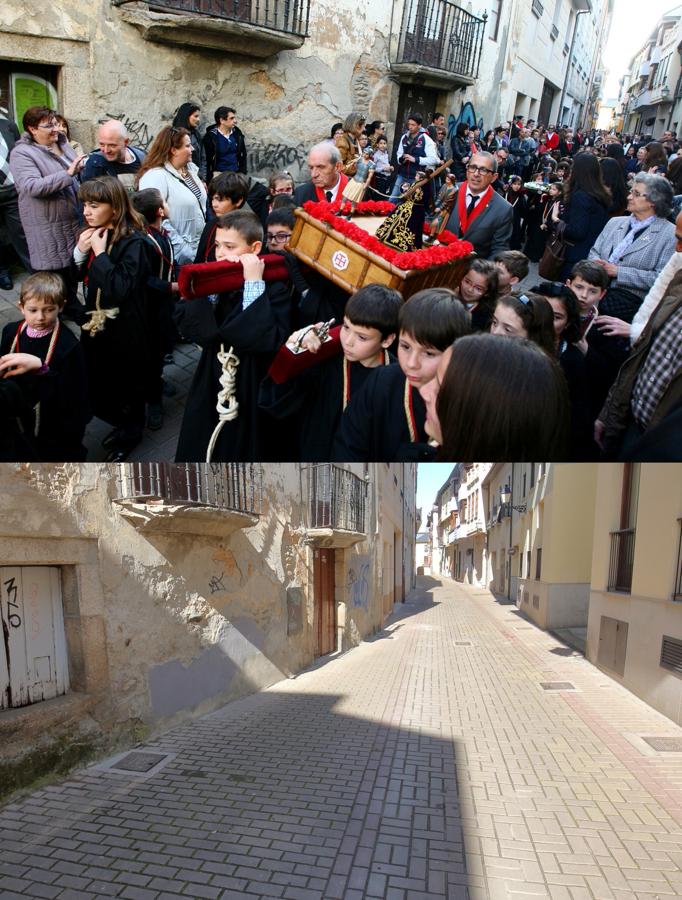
(438, 34)
(229, 486)
(621, 560)
(286, 16)
(337, 499)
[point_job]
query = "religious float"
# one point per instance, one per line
(380, 243)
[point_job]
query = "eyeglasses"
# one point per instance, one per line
(283, 190)
(49, 126)
(281, 237)
(638, 194)
(480, 170)
(474, 288)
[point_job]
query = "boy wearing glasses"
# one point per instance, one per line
(480, 215)
(278, 229)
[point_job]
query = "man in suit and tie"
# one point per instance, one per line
(480, 215)
(327, 180)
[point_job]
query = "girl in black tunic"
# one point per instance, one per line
(564, 305)
(112, 256)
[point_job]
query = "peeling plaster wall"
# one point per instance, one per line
(189, 620)
(285, 102)
(161, 626)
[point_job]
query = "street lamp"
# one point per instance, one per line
(505, 497)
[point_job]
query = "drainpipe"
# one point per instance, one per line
(579, 12)
(511, 513)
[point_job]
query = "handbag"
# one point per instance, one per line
(553, 258)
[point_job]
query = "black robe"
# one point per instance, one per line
(374, 427)
(161, 301)
(119, 359)
(206, 246)
(255, 333)
(18, 394)
(581, 442)
(62, 395)
(311, 406)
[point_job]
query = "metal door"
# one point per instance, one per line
(33, 663)
(325, 602)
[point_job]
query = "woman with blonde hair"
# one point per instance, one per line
(168, 167)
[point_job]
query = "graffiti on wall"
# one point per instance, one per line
(264, 159)
(138, 131)
(261, 159)
(467, 114)
(216, 583)
(358, 582)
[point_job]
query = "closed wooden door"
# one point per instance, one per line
(325, 603)
(33, 655)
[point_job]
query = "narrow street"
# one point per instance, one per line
(429, 762)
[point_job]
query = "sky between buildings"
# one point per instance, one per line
(430, 477)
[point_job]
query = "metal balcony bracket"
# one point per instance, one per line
(157, 517)
(209, 32)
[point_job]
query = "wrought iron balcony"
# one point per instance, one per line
(337, 505)
(621, 560)
(248, 27)
(439, 44)
(200, 498)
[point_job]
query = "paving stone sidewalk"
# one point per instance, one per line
(429, 762)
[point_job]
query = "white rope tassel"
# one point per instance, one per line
(227, 405)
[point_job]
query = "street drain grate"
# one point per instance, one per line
(557, 686)
(462, 643)
(664, 744)
(139, 761)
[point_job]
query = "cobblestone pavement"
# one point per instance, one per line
(429, 762)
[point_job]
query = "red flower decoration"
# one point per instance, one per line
(416, 259)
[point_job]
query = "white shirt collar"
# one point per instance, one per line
(334, 189)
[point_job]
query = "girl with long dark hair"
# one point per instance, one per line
(586, 209)
(189, 116)
(113, 258)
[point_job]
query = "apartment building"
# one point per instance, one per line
(553, 69)
(635, 614)
(134, 596)
(525, 533)
(651, 96)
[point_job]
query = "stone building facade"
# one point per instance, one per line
(134, 596)
(291, 70)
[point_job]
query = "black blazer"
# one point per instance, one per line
(305, 192)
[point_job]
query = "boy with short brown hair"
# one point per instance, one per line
(254, 322)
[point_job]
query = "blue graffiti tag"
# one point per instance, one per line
(467, 114)
(358, 586)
